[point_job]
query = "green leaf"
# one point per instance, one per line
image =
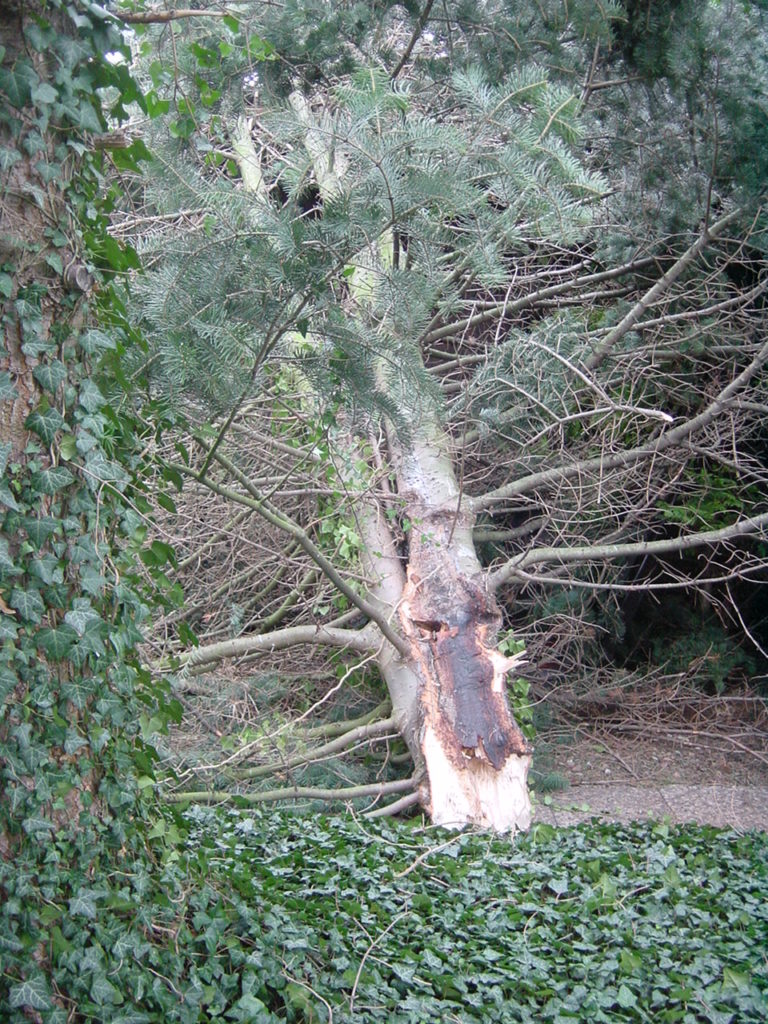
(68, 447)
(83, 905)
(28, 603)
(81, 618)
(39, 530)
(6, 498)
(626, 997)
(7, 564)
(6, 285)
(18, 82)
(89, 396)
(56, 643)
(45, 423)
(49, 481)
(8, 628)
(8, 680)
(53, 259)
(94, 341)
(44, 93)
(50, 375)
(37, 826)
(31, 994)
(104, 992)
(165, 502)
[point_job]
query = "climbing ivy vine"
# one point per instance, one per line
(77, 710)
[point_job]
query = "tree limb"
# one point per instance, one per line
(163, 17)
(212, 796)
(413, 40)
(629, 321)
(558, 474)
(362, 640)
(607, 552)
(279, 519)
(348, 739)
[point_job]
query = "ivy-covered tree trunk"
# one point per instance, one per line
(69, 675)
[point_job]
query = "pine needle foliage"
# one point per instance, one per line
(366, 181)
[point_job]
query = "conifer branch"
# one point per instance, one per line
(155, 17)
(413, 40)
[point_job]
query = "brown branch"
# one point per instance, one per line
(163, 17)
(395, 807)
(413, 40)
(360, 640)
(331, 729)
(632, 317)
(501, 309)
(279, 519)
(674, 436)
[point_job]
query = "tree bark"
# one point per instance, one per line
(449, 694)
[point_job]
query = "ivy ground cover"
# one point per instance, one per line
(346, 920)
(271, 917)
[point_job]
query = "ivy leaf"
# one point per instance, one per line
(37, 826)
(56, 642)
(45, 423)
(44, 93)
(6, 498)
(105, 471)
(90, 397)
(74, 742)
(7, 390)
(80, 618)
(39, 530)
(7, 564)
(50, 375)
(45, 568)
(49, 481)
(8, 628)
(83, 905)
(28, 603)
(103, 991)
(32, 993)
(8, 680)
(95, 341)
(18, 82)
(626, 997)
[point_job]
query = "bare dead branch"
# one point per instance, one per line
(343, 742)
(632, 317)
(212, 796)
(361, 640)
(607, 552)
(413, 40)
(156, 17)
(669, 438)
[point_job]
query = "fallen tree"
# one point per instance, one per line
(408, 311)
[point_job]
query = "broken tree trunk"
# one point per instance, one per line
(449, 695)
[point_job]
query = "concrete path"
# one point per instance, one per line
(741, 807)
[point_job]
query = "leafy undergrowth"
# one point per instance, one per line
(276, 917)
(599, 923)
